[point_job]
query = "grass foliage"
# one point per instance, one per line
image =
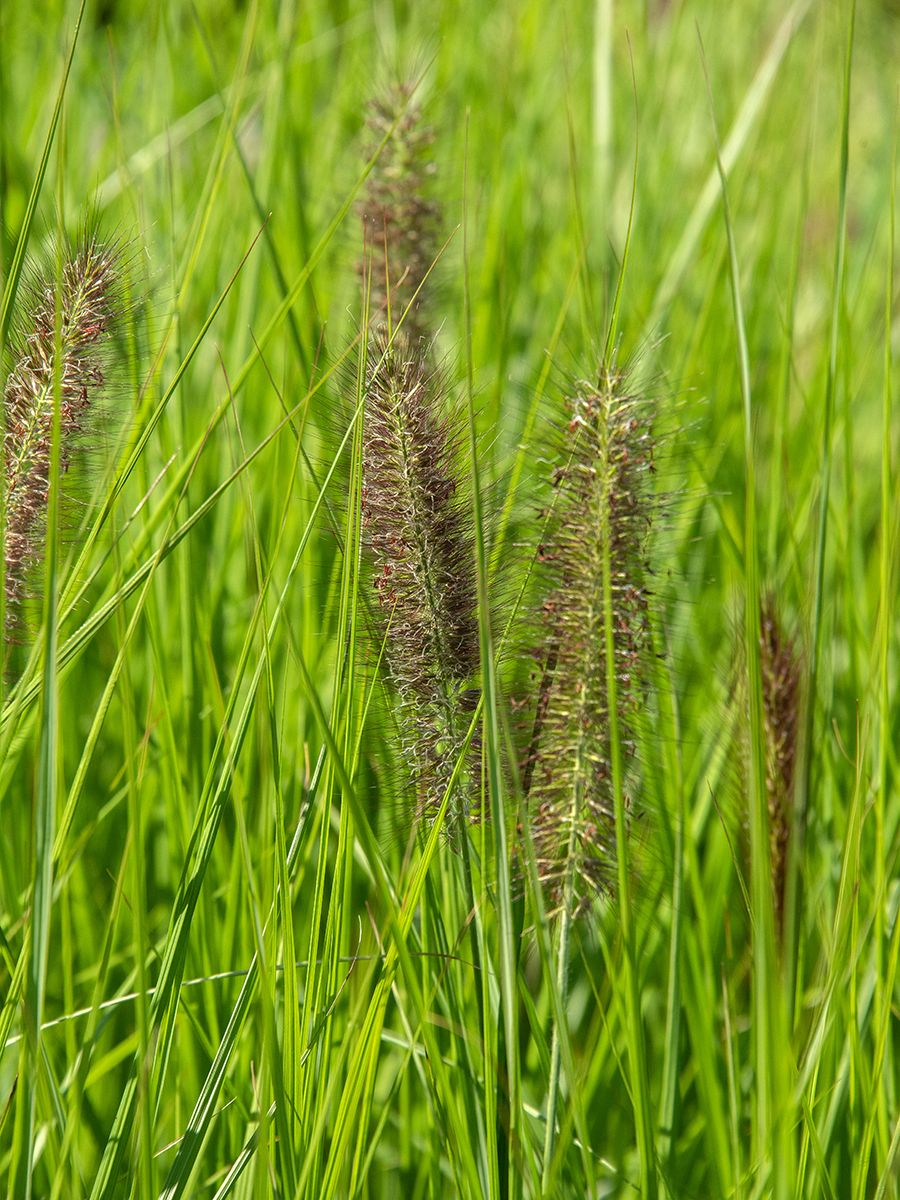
(449, 721)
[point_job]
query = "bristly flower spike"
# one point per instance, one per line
(599, 528)
(86, 298)
(781, 674)
(417, 529)
(399, 222)
(417, 517)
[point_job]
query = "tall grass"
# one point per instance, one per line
(313, 880)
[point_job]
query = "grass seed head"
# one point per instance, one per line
(602, 506)
(400, 222)
(84, 300)
(780, 665)
(417, 528)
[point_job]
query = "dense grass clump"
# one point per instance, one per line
(370, 826)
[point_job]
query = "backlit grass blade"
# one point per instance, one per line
(751, 107)
(772, 1141)
(14, 275)
(794, 886)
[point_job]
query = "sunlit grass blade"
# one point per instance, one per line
(772, 1142)
(794, 885)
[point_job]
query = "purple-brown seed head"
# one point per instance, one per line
(62, 335)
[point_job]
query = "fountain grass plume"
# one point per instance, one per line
(781, 670)
(597, 535)
(400, 223)
(68, 318)
(417, 528)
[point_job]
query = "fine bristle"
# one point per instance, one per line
(63, 331)
(781, 673)
(602, 508)
(417, 529)
(399, 221)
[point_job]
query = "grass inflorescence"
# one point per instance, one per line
(598, 530)
(417, 527)
(416, 510)
(61, 341)
(781, 668)
(400, 219)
